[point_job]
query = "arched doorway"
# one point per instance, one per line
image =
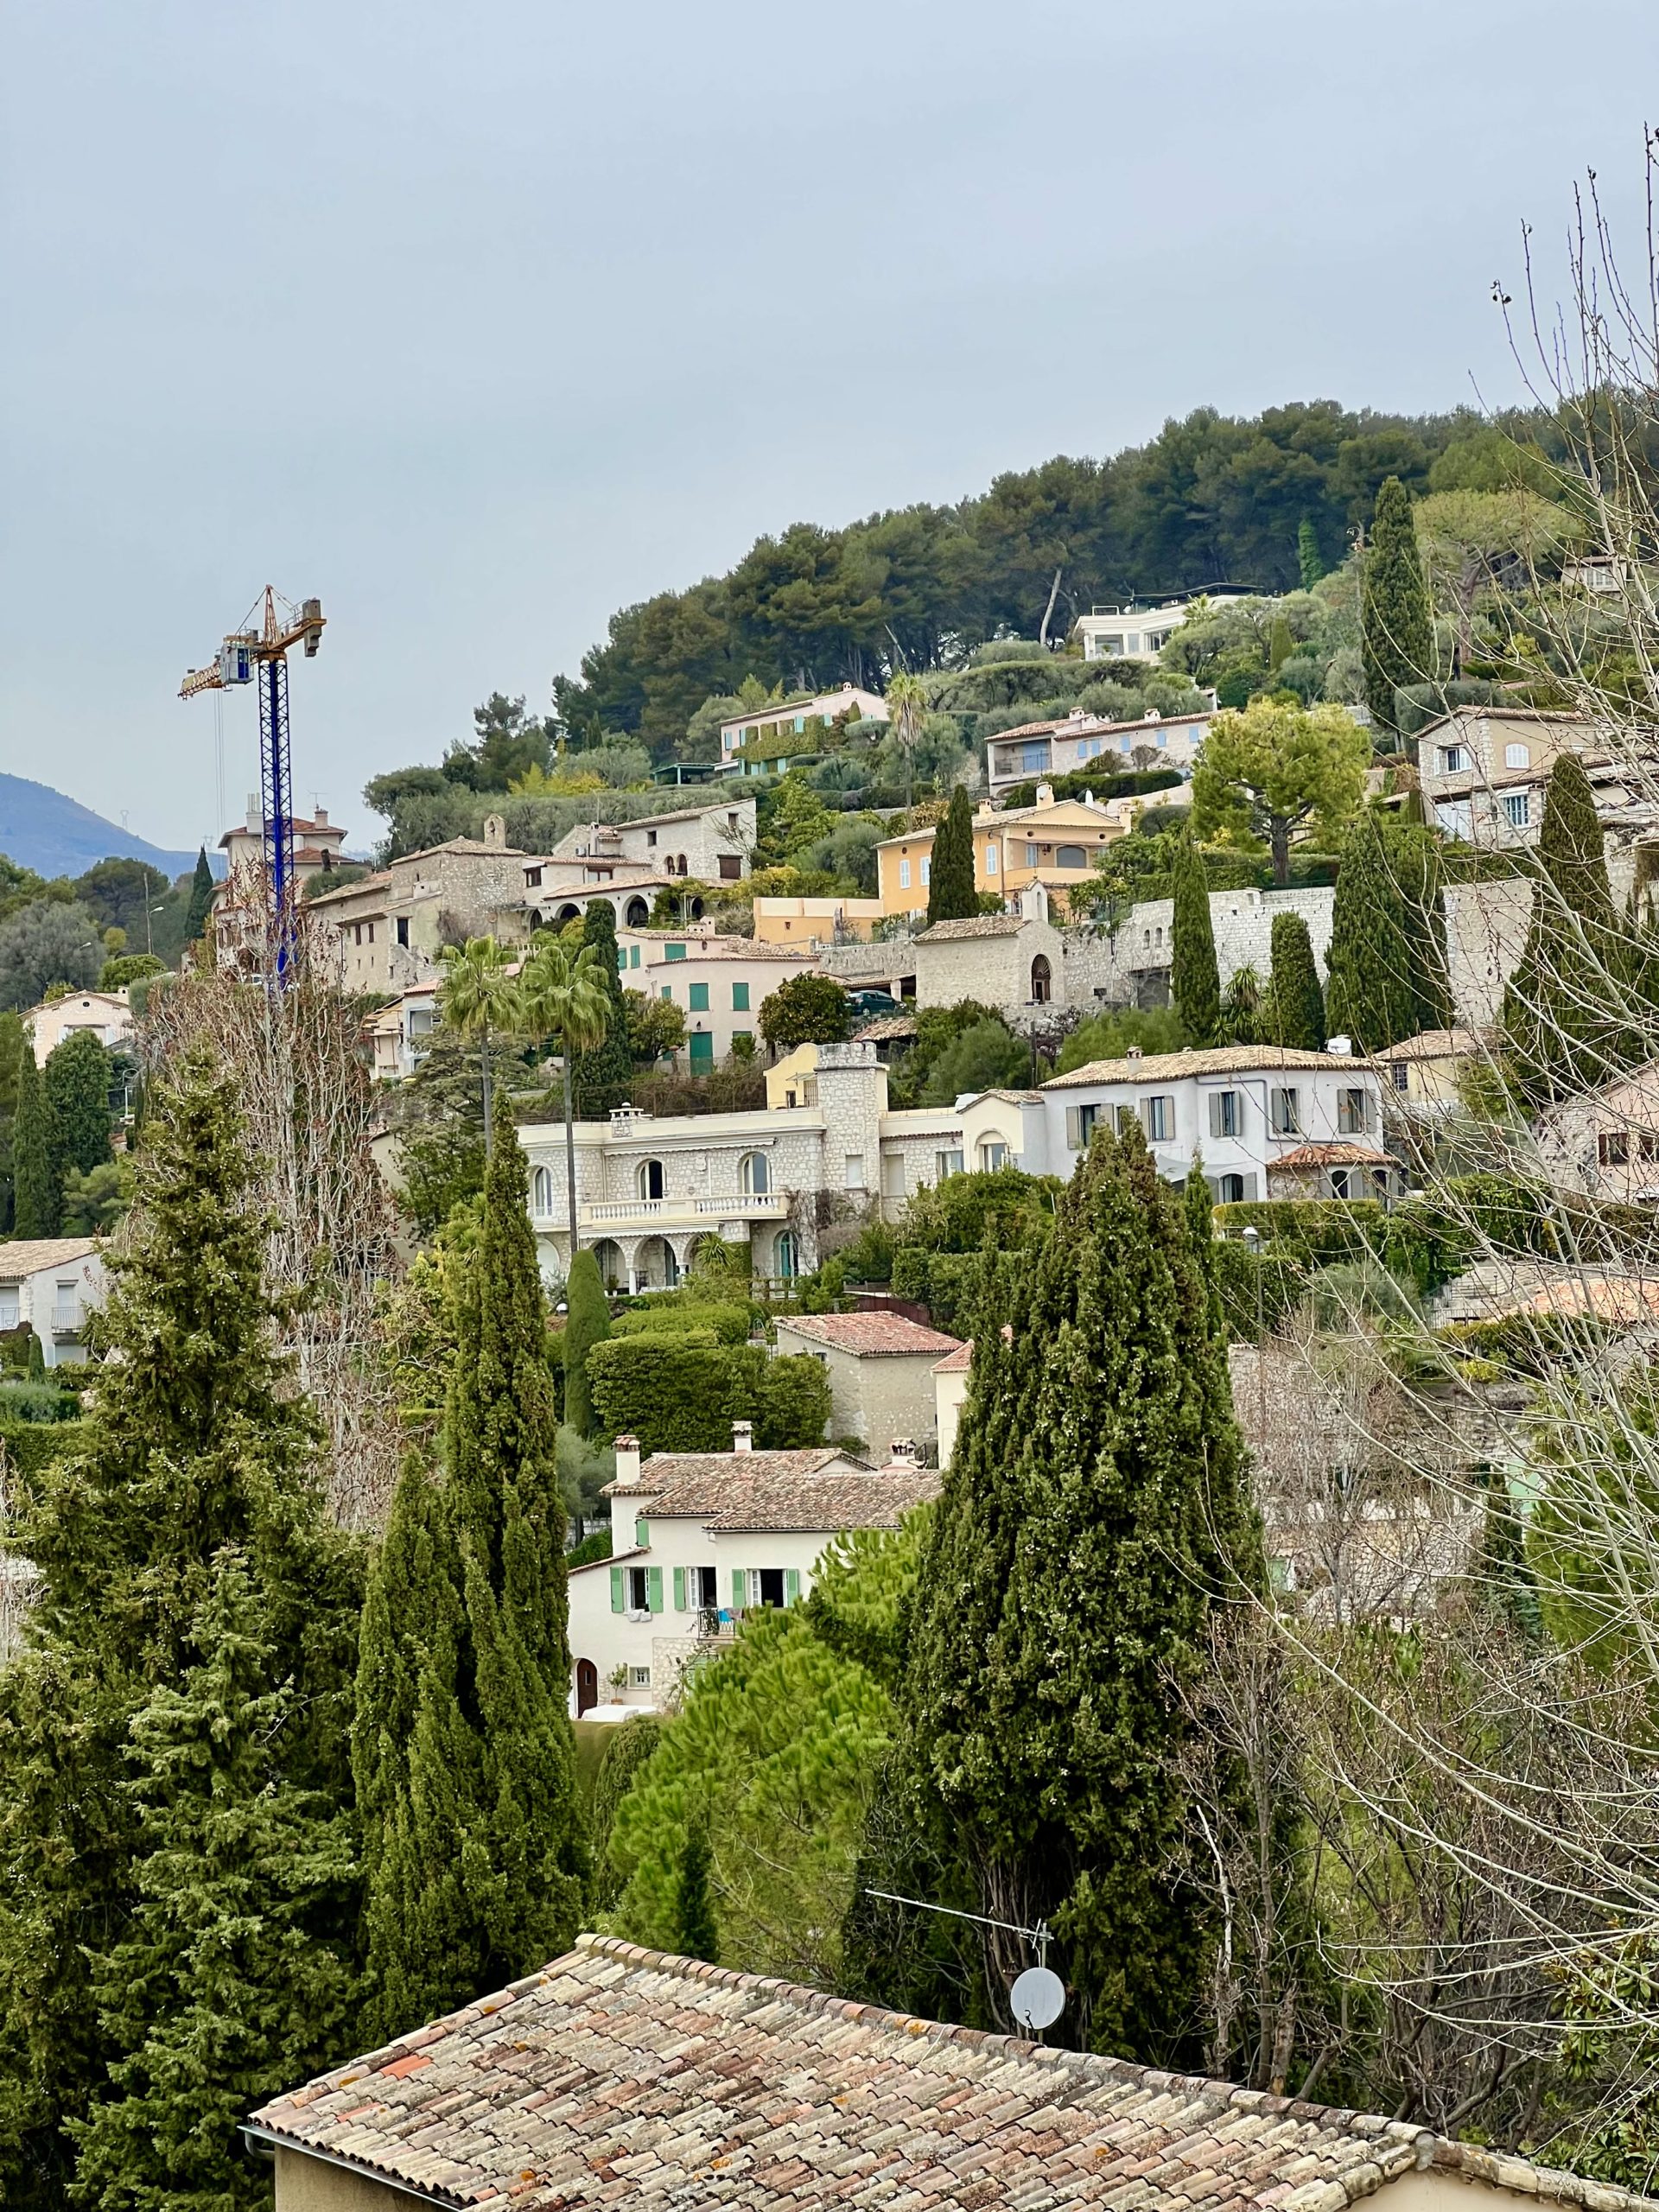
(1042, 980)
(607, 1257)
(587, 1686)
(568, 913)
(639, 914)
(648, 1178)
(655, 1267)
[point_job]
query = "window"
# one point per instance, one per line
(770, 1585)
(854, 1180)
(697, 998)
(927, 868)
(1042, 980)
(947, 1164)
(1341, 1183)
(1517, 808)
(1033, 755)
(1161, 1121)
(754, 1176)
(651, 836)
(1232, 1190)
(1613, 1148)
(1070, 856)
(904, 875)
(668, 990)
(1350, 1111)
(1224, 1114)
(1399, 1074)
(1124, 1118)
(648, 1178)
(371, 932)
(1454, 759)
(785, 1258)
(8, 1305)
(674, 951)
(695, 1589)
(1080, 1125)
(638, 1584)
(403, 929)
(1132, 642)
(639, 1678)
(532, 878)
(1454, 817)
(1284, 1118)
(541, 1192)
(1516, 756)
(1031, 855)
(993, 1154)
(731, 867)
(1125, 744)
(990, 857)
(702, 1051)
(633, 956)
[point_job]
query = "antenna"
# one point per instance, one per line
(1038, 1997)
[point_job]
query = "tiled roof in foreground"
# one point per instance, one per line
(616, 2074)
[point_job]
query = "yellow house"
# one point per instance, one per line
(815, 921)
(1054, 843)
(1426, 1070)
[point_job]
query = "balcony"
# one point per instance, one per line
(647, 1214)
(66, 1321)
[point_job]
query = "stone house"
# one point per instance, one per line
(386, 931)
(713, 843)
(52, 1283)
(1605, 1144)
(880, 1368)
(1484, 770)
(616, 2074)
(1422, 1073)
(699, 1539)
(1013, 961)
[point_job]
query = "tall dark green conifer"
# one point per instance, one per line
(601, 1077)
(697, 1931)
(201, 897)
(1310, 562)
(195, 1441)
(1411, 854)
(1093, 1505)
(1396, 622)
(1368, 995)
(950, 893)
(587, 1323)
(1295, 1007)
(38, 1196)
(76, 1080)
(1195, 982)
(1567, 1012)
(473, 1835)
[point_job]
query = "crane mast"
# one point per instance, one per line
(259, 654)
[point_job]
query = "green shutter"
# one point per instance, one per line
(739, 1586)
(616, 1589)
(739, 998)
(679, 1589)
(791, 1585)
(641, 1531)
(703, 1048)
(654, 1589)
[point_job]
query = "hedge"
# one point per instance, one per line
(676, 1395)
(945, 1282)
(724, 1325)
(33, 1445)
(1130, 782)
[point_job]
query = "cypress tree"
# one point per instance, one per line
(38, 1197)
(232, 1977)
(1396, 622)
(1413, 855)
(1368, 994)
(473, 1847)
(1195, 980)
(1295, 1014)
(76, 1080)
(195, 1441)
(1310, 564)
(602, 1078)
(587, 1323)
(950, 893)
(697, 1933)
(1093, 1508)
(201, 897)
(1281, 644)
(1565, 1007)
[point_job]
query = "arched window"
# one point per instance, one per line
(784, 1260)
(569, 913)
(1516, 756)
(648, 1178)
(541, 1193)
(1070, 856)
(638, 913)
(993, 1154)
(1232, 1190)
(756, 1175)
(1041, 981)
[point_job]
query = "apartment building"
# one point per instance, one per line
(1139, 629)
(719, 982)
(1079, 740)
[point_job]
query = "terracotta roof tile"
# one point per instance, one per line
(869, 1336)
(616, 2072)
(1330, 1155)
(972, 925)
(1222, 1060)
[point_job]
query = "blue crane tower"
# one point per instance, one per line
(259, 654)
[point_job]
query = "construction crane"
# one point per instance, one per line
(259, 654)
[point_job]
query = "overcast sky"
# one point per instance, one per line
(480, 321)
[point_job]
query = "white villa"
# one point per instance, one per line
(52, 1283)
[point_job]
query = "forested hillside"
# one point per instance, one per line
(1215, 497)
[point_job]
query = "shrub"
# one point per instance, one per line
(674, 1396)
(869, 1258)
(35, 1401)
(947, 1283)
(32, 1446)
(723, 1325)
(791, 1404)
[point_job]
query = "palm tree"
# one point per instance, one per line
(477, 995)
(908, 704)
(563, 995)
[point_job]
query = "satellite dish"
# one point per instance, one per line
(1037, 1999)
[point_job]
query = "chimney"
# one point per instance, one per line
(628, 1459)
(1343, 1046)
(625, 1501)
(742, 1436)
(902, 1455)
(1045, 794)
(320, 816)
(1133, 1053)
(495, 832)
(256, 820)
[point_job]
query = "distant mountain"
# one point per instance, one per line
(55, 836)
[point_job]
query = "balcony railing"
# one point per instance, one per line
(687, 1212)
(65, 1320)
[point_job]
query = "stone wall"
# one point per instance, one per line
(996, 971)
(1486, 928)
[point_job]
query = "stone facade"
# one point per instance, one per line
(385, 933)
(1486, 927)
(1014, 962)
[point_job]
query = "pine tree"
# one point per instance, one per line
(76, 1080)
(201, 897)
(1310, 564)
(950, 893)
(195, 1441)
(587, 1323)
(1565, 1011)
(697, 1932)
(1396, 622)
(1093, 1506)
(232, 1978)
(38, 1200)
(1295, 1011)
(1368, 995)
(1195, 980)
(473, 1847)
(601, 1077)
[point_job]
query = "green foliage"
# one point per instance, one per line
(950, 893)
(36, 1399)
(585, 1467)
(437, 1117)
(1094, 1499)
(655, 1029)
(1413, 857)
(1111, 1035)
(93, 1203)
(1195, 983)
(129, 968)
(1001, 1208)
(677, 1394)
(587, 1323)
(507, 745)
(1293, 1014)
(1310, 564)
(46, 943)
(859, 1588)
(791, 1404)
(474, 1847)
(629, 1750)
(1368, 993)
(196, 1442)
(601, 1076)
(76, 1080)
(936, 1029)
(1265, 772)
(947, 1283)
(724, 1324)
(201, 904)
(988, 1057)
(696, 1934)
(805, 1010)
(37, 1193)
(1396, 622)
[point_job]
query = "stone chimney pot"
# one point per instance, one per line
(742, 1436)
(627, 1458)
